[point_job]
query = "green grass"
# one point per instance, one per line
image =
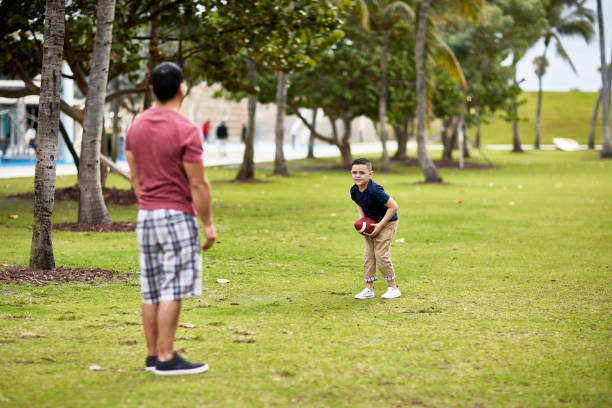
(506, 297)
(564, 114)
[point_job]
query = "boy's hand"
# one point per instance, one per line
(377, 229)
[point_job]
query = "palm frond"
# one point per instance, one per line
(362, 12)
(448, 59)
(563, 54)
(397, 10)
(581, 28)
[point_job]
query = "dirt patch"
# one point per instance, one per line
(112, 196)
(39, 277)
(112, 227)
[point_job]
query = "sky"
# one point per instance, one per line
(559, 76)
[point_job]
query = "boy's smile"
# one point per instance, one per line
(361, 175)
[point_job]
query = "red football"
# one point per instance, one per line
(364, 225)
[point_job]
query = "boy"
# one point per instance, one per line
(164, 152)
(373, 202)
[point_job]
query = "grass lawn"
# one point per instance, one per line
(557, 119)
(506, 297)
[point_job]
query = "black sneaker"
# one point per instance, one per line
(178, 366)
(150, 363)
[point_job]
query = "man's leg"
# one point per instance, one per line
(149, 322)
(167, 320)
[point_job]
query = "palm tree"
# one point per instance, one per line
(41, 250)
(383, 15)
(429, 169)
(468, 8)
(92, 209)
(606, 147)
(565, 18)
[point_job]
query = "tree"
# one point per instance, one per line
(343, 85)
(247, 168)
(429, 169)
(92, 209)
(383, 17)
(41, 250)
(606, 147)
(280, 164)
(564, 18)
(591, 142)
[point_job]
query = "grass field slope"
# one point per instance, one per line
(564, 114)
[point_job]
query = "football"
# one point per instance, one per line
(364, 225)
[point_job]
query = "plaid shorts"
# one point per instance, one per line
(170, 257)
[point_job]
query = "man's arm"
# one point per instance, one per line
(200, 194)
(391, 210)
(133, 171)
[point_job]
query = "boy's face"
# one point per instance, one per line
(361, 174)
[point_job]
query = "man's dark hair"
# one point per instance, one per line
(363, 161)
(166, 79)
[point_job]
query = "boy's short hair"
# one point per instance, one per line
(166, 79)
(363, 161)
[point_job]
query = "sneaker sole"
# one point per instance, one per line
(391, 297)
(197, 370)
(363, 298)
(150, 369)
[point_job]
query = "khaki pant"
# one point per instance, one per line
(377, 252)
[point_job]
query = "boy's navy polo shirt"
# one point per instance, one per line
(372, 200)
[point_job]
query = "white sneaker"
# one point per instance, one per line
(391, 293)
(365, 294)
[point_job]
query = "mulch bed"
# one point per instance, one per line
(112, 196)
(112, 227)
(38, 277)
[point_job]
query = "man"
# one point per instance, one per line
(164, 153)
(222, 135)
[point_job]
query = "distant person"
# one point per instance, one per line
(222, 136)
(244, 133)
(206, 130)
(164, 152)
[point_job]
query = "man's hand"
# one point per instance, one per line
(210, 234)
(377, 228)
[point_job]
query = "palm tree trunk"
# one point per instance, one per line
(92, 209)
(478, 129)
(447, 147)
(382, 101)
(280, 164)
(247, 168)
(536, 143)
(429, 169)
(311, 140)
(596, 113)
(594, 121)
(41, 250)
(153, 44)
(466, 140)
(460, 140)
(606, 146)
(115, 105)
